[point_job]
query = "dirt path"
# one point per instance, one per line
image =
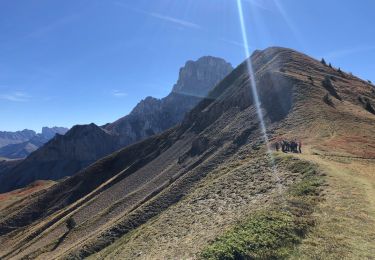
(346, 217)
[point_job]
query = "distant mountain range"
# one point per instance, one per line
(209, 184)
(20, 144)
(64, 155)
(15, 137)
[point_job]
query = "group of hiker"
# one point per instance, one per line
(293, 146)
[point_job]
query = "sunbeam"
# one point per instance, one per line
(254, 92)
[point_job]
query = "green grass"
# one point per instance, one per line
(273, 234)
(265, 235)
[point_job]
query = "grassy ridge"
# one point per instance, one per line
(272, 234)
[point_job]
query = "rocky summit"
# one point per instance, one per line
(66, 154)
(211, 188)
(153, 115)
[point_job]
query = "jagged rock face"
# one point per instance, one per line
(50, 132)
(82, 145)
(23, 149)
(153, 115)
(15, 137)
(196, 76)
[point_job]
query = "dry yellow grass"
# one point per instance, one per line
(229, 186)
(346, 218)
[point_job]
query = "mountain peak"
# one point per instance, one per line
(51, 131)
(195, 75)
(83, 144)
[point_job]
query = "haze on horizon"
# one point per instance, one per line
(76, 62)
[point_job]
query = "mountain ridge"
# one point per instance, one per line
(65, 155)
(176, 192)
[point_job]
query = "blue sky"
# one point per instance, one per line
(80, 61)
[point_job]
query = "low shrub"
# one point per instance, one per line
(273, 234)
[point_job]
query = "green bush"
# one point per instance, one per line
(70, 223)
(307, 187)
(265, 235)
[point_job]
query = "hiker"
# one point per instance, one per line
(287, 146)
(277, 146)
(293, 146)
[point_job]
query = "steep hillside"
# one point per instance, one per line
(82, 145)
(6, 164)
(19, 197)
(208, 188)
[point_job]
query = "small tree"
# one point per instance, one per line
(330, 65)
(327, 99)
(323, 61)
(70, 223)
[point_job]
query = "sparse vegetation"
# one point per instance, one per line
(225, 202)
(266, 235)
(272, 234)
(369, 107)
(366, 104)
(342, 74)
(71, 223)
(327, 84)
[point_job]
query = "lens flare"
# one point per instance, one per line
(255, 94)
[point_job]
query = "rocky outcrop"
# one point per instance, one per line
(84, 144)
(195, 76)
(153, 115)
(50, 132)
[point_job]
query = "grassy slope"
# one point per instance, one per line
(225, 198)
(236, 190)
(346, 218)
(16, 196)
(273, 233)
(340, 140)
